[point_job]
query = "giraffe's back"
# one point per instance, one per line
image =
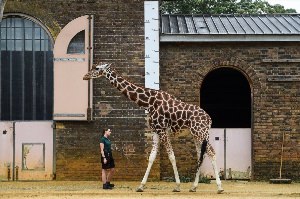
(168, 112)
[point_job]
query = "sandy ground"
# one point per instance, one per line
(124, 190)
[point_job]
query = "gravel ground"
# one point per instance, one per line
(124, 190)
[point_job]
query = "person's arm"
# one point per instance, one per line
(102, 152)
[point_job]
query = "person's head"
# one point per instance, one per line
(106, 132)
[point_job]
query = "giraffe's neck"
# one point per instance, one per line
(131, 91)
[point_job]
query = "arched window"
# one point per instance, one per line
(26, 70)
(76, 46)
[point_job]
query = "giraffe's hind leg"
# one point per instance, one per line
(200, 146)
(212, 155)
(151, 160)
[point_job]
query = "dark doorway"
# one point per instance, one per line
(226, 96)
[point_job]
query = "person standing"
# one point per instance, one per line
(107, 160)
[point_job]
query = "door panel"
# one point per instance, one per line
(236, 164)
(72, 95)
(238, 153)
(34, 150)
(6, 150)
(216, 138)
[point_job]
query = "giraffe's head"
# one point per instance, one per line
(96, 71)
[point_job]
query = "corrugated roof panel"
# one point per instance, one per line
(165, 24)
(174, 24)
(236, 25)
(283, 29)
(270, 24)
(226, 21)
(276, 24)
(264, 27)
(190, 24)
(253, 25)
(287, 25)
(297, 21)
(210, 24)
(219, 25)
(182, 24)
(244, 25)
(200, 25)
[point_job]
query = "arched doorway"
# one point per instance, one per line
(26, 99)
(226, 96)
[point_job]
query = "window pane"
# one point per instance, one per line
(19, 45)
(10, 33)
(3, 44)
(37, 45)
(3, 33)
(76, 45)
(10, 45)
(28, 45)
(3, 23)
(19, 33)
(43, 45)
(28, 23)
(37, 33)
(18, 22)
(28, 33)
(42, 34)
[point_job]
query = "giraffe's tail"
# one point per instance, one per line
(202, 152)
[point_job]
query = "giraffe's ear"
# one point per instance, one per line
(94, 66)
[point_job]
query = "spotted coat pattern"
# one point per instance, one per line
(165, 113)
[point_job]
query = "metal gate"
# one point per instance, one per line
(26, 150)
(233, 149)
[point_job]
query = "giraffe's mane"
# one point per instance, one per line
(142, 87)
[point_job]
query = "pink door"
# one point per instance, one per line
(6, 150)
(34, 150)
(72, 59)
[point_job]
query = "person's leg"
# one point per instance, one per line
(104, 179)
(110, 174)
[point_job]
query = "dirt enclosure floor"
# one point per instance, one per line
(126, 190)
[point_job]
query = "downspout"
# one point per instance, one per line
(14, 151)
(89, 109)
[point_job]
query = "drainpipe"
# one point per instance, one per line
(225, 154)
(89, 109)
(14, 151)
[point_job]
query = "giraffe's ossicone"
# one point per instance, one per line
(165, 114)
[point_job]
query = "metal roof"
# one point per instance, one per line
(264, 27)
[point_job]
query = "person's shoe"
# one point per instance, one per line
(106, 186)
(111, 185)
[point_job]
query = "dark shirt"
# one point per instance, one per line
(107, 144)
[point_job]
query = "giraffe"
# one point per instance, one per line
(166, 114)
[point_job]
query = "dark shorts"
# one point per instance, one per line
(110, 162)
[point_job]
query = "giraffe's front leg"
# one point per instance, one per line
(151, 160)
(166, 141)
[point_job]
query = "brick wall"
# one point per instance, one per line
(276, 105)
(118, 38)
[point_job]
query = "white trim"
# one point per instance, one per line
(151, 21)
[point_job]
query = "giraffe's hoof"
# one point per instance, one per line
(193, 189)
(176, 189)
(140, 189)
(220, 191)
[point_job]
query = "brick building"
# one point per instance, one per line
(259, 60)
